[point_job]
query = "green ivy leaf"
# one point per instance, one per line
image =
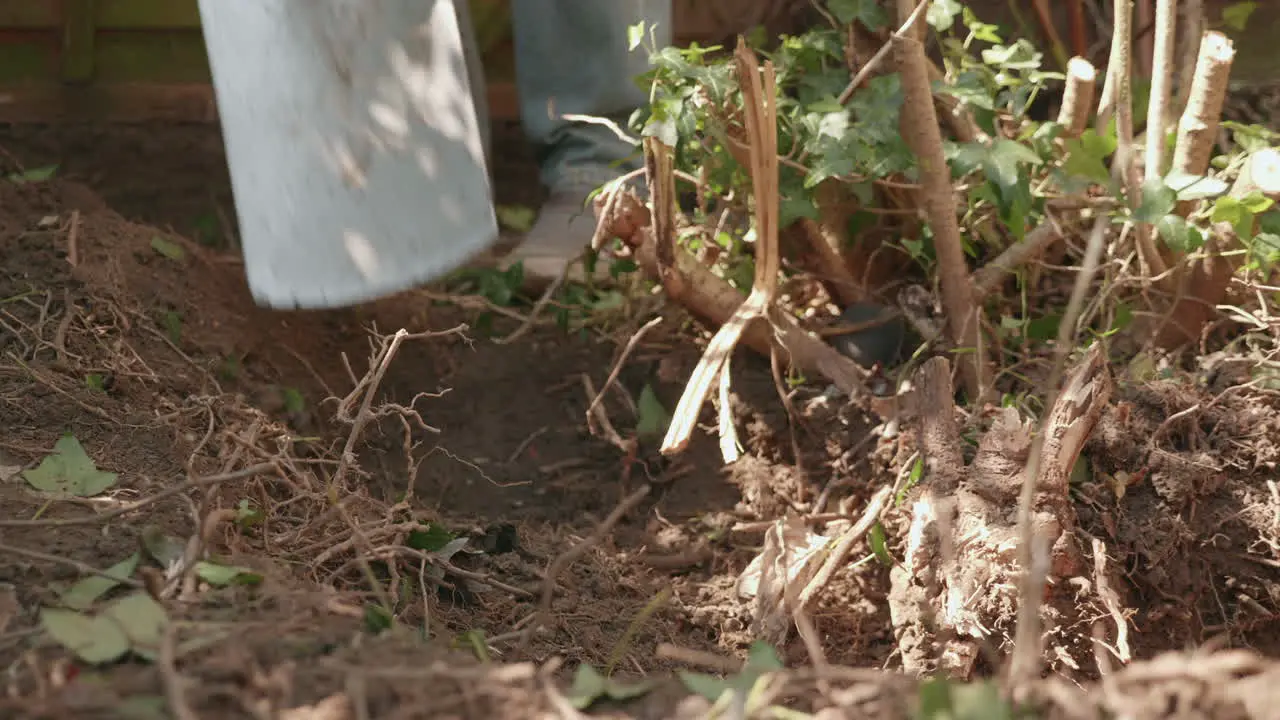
(1236, 15)
(39, 174)
(1256, 203)
(1004, 159)
(85, 592)
(981, 31)
(1087, 155)
(941, 14)
(94, 640)
(1178, 234)
(867, 12)
(761, 659)
(1234, 211)
(635, 35)
(224, 575)
(163, 548)
(1266, 248)
(1158, 200)
(515, 217)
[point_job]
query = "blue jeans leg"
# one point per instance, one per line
(572, 57)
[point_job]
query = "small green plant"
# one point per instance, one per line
(589, 686)
(294, 401)
(745, 688)
(942, 699)
(248, 514)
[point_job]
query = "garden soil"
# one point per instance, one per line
(125, 322)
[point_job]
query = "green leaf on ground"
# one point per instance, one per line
(69, 469)
(1087, 155)
(947, 700)
(589, 686)
(223, 575)
(141, 619)
(880, 545)
(654, 418)
(376, 619)
(431, 538)
(84, 593)
(294, 402)
(94, 640)
(168, 248)
(247, 514)
(761, 659)
(39, 174)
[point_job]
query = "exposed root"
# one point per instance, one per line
(959, 580)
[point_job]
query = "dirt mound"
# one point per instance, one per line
(227, 427)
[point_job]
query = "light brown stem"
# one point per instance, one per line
(986, 280)
(1199, 123)
(919, 125)
(1077, 99)
(1153, 263)
(1110, 81)
(1162, 69)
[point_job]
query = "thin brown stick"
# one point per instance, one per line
(369, 386)
(844, 545)
(174, 693)
(919, 123)
(622, 360)
(599, 417)
(870, 66)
